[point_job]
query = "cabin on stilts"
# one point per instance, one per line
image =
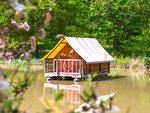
(76, 58)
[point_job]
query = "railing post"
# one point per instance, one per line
(72, 66)
(61, 65)
(80, 66)
(76, 66)
(65, 66)
(68, 65)
(57, 66)
(54, 65)
(49, 66)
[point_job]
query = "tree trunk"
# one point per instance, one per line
(37, 51)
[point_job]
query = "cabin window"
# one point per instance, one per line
(63, 55)
(71, 52)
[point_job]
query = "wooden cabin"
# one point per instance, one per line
(76, 58)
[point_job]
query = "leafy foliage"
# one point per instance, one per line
(58, 97)
(112, 22)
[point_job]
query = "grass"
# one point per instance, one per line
(121, 61)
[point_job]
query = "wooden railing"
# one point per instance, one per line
(63, 65)
(48, 65)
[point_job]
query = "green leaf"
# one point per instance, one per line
(58, 97)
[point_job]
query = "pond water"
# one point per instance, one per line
(131, 87)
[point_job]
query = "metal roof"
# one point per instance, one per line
(89, 49)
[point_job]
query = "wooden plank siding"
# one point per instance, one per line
(96, 68)
(66, 50)
(105, 67)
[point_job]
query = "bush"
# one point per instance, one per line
(147, 61)
(136, 64)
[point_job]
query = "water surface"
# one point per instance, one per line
(132, 91)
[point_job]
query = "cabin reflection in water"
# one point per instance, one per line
(72, 91)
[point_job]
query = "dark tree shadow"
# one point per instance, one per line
(106, 77)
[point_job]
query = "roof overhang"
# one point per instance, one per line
(96, 62)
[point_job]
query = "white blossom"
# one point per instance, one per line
(50, 9)
(26, 26)
(4, 85)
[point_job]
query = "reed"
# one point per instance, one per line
(136, 64)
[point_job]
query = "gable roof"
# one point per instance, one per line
(60, 45)
(88, 48)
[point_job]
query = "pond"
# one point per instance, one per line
(131, 87)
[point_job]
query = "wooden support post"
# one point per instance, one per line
(47, 64)
(80, 66)
(108, 66)
(49, 61)
(57, 66)
(100, 67)
(86, 68)
(76, 66)
(54, 65)
(65, 65)
(68, 65)
(76, 55)
(61, 66)
(51, 66)
(89, 68)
